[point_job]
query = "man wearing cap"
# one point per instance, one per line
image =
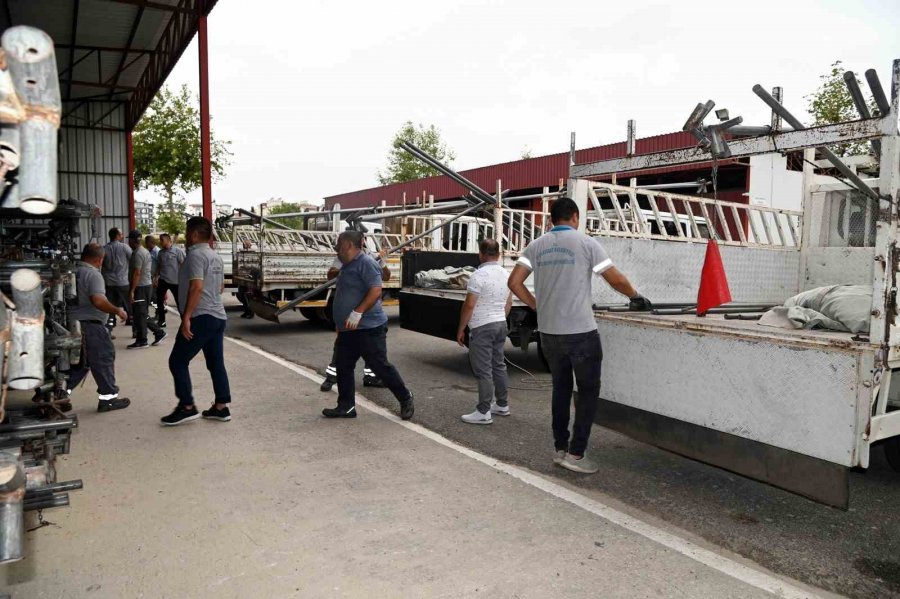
(141, 294)
(90, 310)
(116, 256)
(165, 277)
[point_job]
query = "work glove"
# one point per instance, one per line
(639, 303)
(353, 320)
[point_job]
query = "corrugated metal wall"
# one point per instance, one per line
(92, 162)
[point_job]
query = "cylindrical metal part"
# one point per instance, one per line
(64, 487)
(33, 426)
(630, 139)
(881, 100)
(71, 287)
(572, 148)
(831, 156)
(10, 152)
(32, 66)
(12, 520)
(52, 501)
(695, 121)
(861, 106)
(776, 119)
(433, 162)
(26, 354)
(57, 292)
(39, 475)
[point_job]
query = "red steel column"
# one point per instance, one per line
(205, 154)
(129, 157)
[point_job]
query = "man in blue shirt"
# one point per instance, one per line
(362, 328)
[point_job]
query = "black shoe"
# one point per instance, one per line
(407, 408)
(339, 412)
(108, 405)
(138, 345)
(158, 337)
(247, 315)
(328, 383)
(180, 415)
(223, 415)
(372, 381)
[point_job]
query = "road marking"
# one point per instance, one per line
(751, 576)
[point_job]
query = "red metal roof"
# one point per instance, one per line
(530, 173)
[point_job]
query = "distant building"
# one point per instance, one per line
(217, 209)
(145, 215)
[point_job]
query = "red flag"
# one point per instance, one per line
(713, 283)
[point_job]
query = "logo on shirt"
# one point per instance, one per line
(556, 256)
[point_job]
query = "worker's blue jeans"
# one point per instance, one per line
(580, 354)
(371, 346)
(208, 337)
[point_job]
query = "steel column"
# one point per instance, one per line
(205, 151)
(129, 158)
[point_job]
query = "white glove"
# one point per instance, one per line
(353, 320)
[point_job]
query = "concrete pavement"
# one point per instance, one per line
(280, 502)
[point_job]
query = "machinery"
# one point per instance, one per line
(39, 240)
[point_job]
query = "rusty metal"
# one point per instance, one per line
(26, 363)
(12, 495)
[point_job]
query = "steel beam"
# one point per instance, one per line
(751, 146)
(205, 149)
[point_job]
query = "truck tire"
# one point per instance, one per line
(311, 314)
(892, 452)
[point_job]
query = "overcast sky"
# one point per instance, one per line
(310, 93)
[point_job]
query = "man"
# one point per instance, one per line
(563, 261)
(369, 378)
(91, 309)
(140, 294)
(153, 248)
(488, 302)
(201, 281)
(362, 328)
(168, 264)
(116, 258)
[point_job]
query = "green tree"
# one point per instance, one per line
(402, 166)
(167, 153)
(294, 222)
(832, 103)
(526, 153)
(144, 229)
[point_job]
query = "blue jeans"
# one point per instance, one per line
(582, 354)
(209, 337)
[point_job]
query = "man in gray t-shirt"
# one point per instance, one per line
(563, 263)
(201, 281)
(141, 294)
(90, 309)
(165, 277)
(116, 256)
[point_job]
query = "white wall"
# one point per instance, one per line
(772, 185)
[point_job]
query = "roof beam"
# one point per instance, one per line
(134, 27)
(103, 85)
(74, 37)
(154, 5)
(104, 49)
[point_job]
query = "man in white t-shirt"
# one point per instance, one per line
(487, 305)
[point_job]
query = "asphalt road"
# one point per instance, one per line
(856, 552)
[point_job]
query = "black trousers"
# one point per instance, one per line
(118, 297)
(141, 313)
(371, 346)
(208, 337)
(98, 357)
(582, 355)
(162, 287)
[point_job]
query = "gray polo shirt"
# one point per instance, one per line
(115, 264)
(140, 259)
(168, 263)
(203, 262)
(88, 282)
(354, 282)
(563, 262)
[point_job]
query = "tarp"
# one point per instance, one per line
(449, 277)
(836, 307)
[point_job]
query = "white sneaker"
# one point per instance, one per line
(477, 417)
(581, 465)
(559, 456)
(499, 410)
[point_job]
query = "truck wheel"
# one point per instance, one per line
(541, 355)
(311, 314)
(892, 452)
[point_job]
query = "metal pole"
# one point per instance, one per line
(129, 156)
(205, 151)
(572, 148)
(777, 93)
(831, 156)
(861, 107)
(26, 365)
(433, 162)
(12, 520)
(498, 218)
(629, 144)
(878, 92)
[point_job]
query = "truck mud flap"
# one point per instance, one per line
(821, 481)
(263, 310)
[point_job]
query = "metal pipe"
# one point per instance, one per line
(12, 519)
(861, 107)
(39, 426)
(878, 92)
(831, 156)
(777, 93)
(630, 139)
(695, 121)
(47, 503)
(253, 216)
(64, 487)
(572, 148)
(433, 162)
(26, 354)
(205, 135)
(31, 61)
(410, 241)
